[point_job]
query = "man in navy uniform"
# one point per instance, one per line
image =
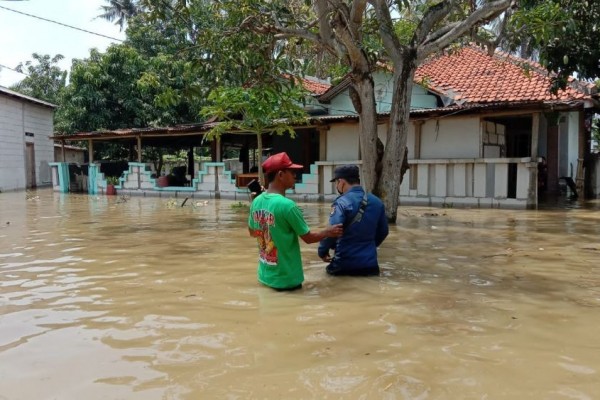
(365, 227)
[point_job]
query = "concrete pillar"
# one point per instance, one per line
(501, 181)
(91, 151)
(139, 149)
(532, 192)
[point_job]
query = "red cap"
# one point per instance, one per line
(279, 161)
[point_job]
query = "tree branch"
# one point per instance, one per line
(432, 16)
(356, 17)
(488, 11)
(386, 29)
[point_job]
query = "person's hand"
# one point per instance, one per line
(326, 258)
(336, 230)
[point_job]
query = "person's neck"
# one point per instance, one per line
(350, 186)
(276, 188)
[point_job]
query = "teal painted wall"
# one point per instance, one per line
(383, 81)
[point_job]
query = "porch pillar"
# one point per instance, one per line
(139, 149)
(91, 150)
(532, 192)
(190, 162)
(62, 147)
(581, 154)
(215, 150)
(219, 150)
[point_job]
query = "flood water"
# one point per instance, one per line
(140, 298)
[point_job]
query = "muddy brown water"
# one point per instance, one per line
(139, 298)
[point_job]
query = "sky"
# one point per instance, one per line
(20, 35)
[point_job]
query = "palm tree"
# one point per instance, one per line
(120, 10)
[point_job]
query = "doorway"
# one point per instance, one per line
(30, 165)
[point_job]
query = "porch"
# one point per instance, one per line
(477, 182)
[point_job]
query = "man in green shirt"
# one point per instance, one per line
(277, 222)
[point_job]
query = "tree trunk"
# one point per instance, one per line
(363, 99)
(259, 149)
(395, 146)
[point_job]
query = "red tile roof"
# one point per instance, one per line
(314, 87)
(470, 75)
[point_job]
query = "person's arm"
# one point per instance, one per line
(324, 246)
(331, 231)
(337, 216)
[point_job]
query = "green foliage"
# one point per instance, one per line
(112, 180)
(119, 11)
(257, 109)
(45, 80)
(565, 33)
(104, 93)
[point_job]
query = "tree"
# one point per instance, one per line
(120, 11)
(565, 34)
(357, 33)
(105, 93)
(260, 109)
(45, 80)
(242, 70)
(362, 33)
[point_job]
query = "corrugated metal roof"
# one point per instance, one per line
(29, 99)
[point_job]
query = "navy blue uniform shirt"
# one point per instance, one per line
(356, 249)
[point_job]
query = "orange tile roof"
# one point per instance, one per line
(314, 87)
(470, 75)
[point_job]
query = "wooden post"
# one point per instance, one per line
(190, 162)
(91, 150)
(64, 157)
(139, 149)
(532, 192)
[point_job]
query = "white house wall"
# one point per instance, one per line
(17, 118)
(450, 138)
(12, 145)
(39, 121)
(568, 149)
(342, 142)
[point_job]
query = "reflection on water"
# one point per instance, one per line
(140, 298)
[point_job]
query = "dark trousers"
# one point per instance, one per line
(334, 269)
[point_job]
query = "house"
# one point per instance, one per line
(479, 127)
(26, 125)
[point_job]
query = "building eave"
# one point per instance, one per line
(10, 93)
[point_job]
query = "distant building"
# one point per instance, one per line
(72, 154)
(26, 125)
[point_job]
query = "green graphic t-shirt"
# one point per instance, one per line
(276, 222)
